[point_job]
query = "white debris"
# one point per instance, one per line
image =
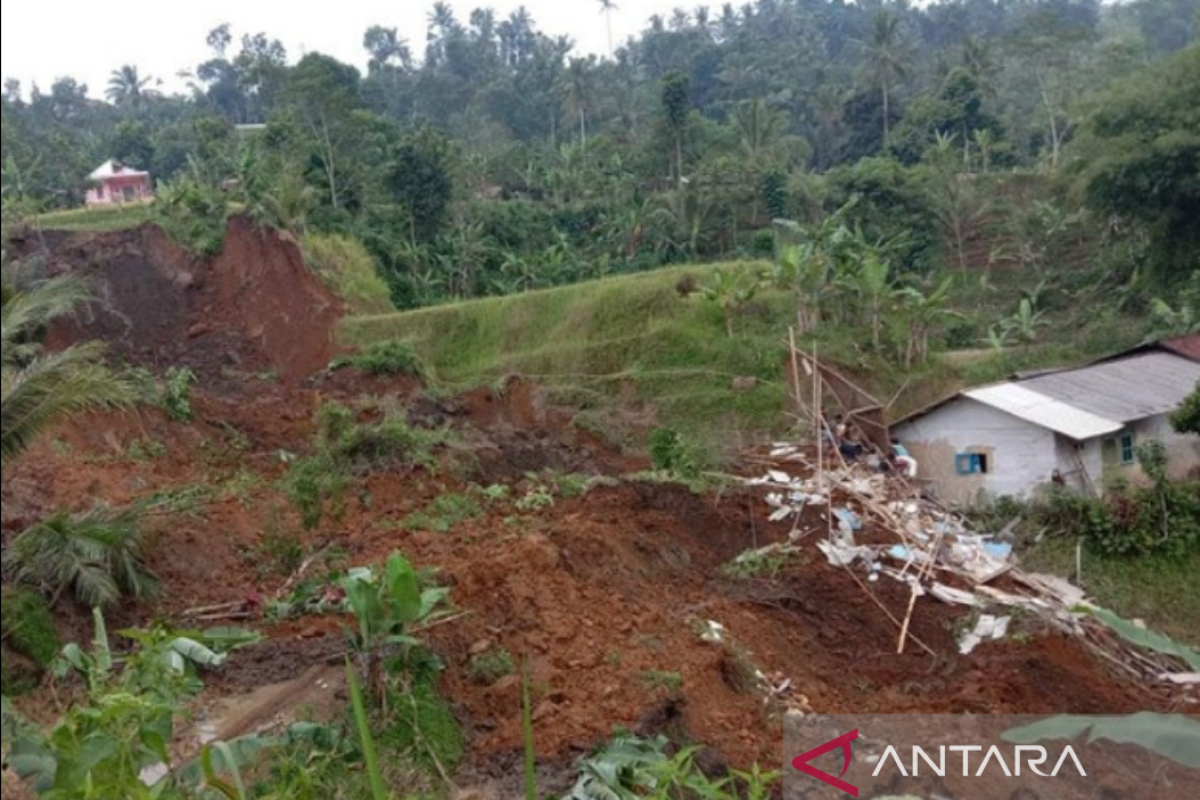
(713, 632)
(988, 628)
(1184, 679)
(955, 597)
(841, 555)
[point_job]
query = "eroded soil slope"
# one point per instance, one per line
(254, 308)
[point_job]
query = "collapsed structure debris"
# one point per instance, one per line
(881, 526)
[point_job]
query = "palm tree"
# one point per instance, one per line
(125, 87)
(888, 61)
(39, 388)
(607, 7)
(576, 91)
(758, 126)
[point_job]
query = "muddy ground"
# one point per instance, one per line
(604, 594)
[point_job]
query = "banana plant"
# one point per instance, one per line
(732, 292)
(388, 609)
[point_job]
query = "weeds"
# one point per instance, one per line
(487, 669)
(386, 359)
(28, 626)
(281, 551)
(445, 513)
(767, 563)
(317, 488)
(538, 498)
(640, 769)
(177, 394)
(670, 682)
(317, 485)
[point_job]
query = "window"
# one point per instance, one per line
(972, 464)
(1128, 449)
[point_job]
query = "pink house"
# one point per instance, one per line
(115, 184)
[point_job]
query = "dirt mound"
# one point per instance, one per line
(253, 309)
(607, 595)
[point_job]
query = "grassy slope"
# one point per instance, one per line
(96, 220)
(1164, 593)
(601, 340)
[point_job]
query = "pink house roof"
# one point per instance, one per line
(113, 169)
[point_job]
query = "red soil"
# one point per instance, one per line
(254, 308)
(602, 594)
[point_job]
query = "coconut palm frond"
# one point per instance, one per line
(95, 556)
(24, 313)
(54, 386)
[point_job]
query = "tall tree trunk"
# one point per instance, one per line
(679, 161)
(887, 112)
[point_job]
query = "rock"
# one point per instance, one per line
(198, 330)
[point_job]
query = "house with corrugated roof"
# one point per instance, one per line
(1081, 427)
(113, 183)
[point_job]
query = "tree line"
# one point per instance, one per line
(503, 160)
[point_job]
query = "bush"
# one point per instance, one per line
(317, 487)
(177, 394)
(387, 358)
(669, 453)
(1187, 419)
(1159, 520)
(28, 626)
(194, 215)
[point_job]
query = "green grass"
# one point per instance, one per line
(96, 220)
(28, 626)
(596, 346)
(445, 514)
(346, 268)
(1164, 593)
(592, 340)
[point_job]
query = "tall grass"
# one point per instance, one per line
(346, 267)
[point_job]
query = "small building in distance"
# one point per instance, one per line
(114, 183)
(1080, 427)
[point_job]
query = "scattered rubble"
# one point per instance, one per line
(882, 525)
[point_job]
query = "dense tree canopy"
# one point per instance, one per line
(685, 143)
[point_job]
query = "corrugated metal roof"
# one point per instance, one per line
(111, 169)
(1045, 411)
(1123, 391)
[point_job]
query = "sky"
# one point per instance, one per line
(42, 40)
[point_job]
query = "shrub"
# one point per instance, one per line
(387, 358)
(28, 626)
(1162, 519)
(176, 397)
(1187, 419)
(670, 453)
(317, 487)
(96, 556)
(193, 214)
